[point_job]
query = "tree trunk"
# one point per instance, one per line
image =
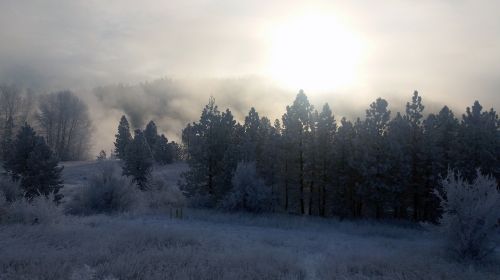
(301, 163)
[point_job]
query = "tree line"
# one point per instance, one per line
(140, 151)
(380, 166)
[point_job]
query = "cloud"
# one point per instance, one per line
(448, 50)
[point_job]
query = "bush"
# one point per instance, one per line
(39, 210)
(161, 197)
(10, 190)
(249, 193)
(470, 215)
(107, 192)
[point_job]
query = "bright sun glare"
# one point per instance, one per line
(314, 53)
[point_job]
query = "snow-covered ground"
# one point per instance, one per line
(213, 245)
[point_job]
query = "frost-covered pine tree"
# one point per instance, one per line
(325, 133)
(7, 138)
(398, 179)
(163, 151)
(440, 137)
(151, 135)
(122, 138)
(441, 152)
(374, 163)
(33, 164)
(345, 199)
(250, 148)
(479, 140)
(138, 161)
(297, 122)
(470, 215)
(419, 188)
(267, 151)
(212, 155)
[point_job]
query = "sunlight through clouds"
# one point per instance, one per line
(314, 52)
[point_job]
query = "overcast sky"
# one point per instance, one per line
(449, 50)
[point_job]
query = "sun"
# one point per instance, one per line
(314, 53)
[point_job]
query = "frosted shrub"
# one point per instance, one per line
(107, 192)
(249, 193)
(40, 210)
(470, 215)
(11, 190)
(162, 197)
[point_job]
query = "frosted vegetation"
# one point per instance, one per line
(140, 238)
(470, 217)
(379, 198)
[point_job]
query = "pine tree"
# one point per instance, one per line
(345, 194)
(250, 146)
(398, 136)
(297, 122)
(123, 138)
(479, 139)
(34, 164)
(7, 135)
(440, 153)
(43, 173)
(441, 134)
(268, 156)
(151, 135)
(177, 151)
(374, 163)
(420, 189)
(325, 134)
(163, 151)
(230, 141)
(138, 162)
(212, 154)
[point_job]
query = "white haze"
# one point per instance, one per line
(448, 50)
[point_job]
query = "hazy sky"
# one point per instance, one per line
(449, 50)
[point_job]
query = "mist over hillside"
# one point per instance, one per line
(173, 103)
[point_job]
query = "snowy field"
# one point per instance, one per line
(214, 245)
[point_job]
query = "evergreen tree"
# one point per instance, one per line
(138, 162)
(268, 158)
(374, 163)
(177, 151)
(34, 164)
(250, 146)
(163, 151)
(101, 156)
(230, 139)
(479, 137)
(441, 141)
(421, 191)
(151, 135)
(123, 138)
(212, 154)
(398, 179)
(325, 133)
(297, 123)
(440, 153)
(7, 135)
(345, 194)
